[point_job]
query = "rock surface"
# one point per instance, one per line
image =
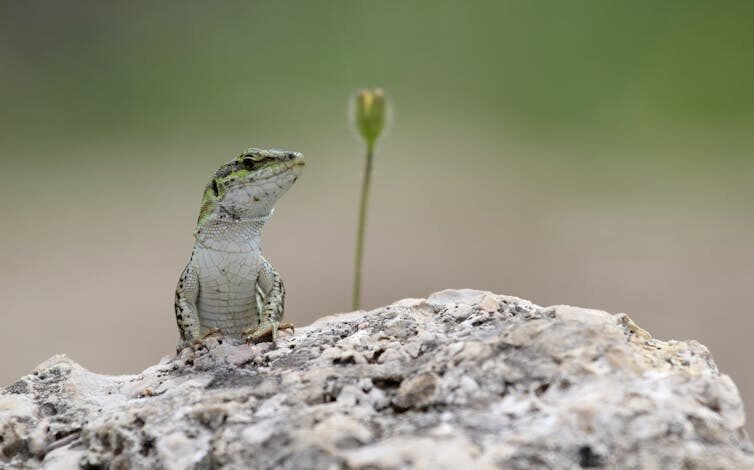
(462, 379)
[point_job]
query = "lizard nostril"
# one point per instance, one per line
(291, 156)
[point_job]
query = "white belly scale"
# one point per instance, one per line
(227, 296)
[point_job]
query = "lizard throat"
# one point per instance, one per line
(231, 235)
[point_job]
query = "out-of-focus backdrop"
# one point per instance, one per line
(591, 153)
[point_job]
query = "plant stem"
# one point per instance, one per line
(360, 228)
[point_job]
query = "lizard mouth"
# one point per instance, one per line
(271, 173)
(282, 168)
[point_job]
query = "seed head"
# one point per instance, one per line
(370, 114)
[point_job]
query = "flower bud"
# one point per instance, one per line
(370, 114)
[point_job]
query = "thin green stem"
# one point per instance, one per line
(361, 227)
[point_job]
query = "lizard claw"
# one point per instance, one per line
(266, 329)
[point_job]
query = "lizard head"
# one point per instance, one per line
(249, 185)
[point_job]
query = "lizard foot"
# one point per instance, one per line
(266, 329)
(211, 332)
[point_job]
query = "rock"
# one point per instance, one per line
(462, 379)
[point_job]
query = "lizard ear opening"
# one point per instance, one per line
(215, 189)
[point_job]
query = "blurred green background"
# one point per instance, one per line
(590, 153)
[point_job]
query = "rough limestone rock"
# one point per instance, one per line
(463, 379)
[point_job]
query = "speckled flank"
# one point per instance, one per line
(227, 284)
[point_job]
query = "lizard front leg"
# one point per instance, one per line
(271, 296)
(186, 313)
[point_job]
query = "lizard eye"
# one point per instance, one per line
(248, 163)
(215, 189)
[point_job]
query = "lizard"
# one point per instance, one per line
(228, 287)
